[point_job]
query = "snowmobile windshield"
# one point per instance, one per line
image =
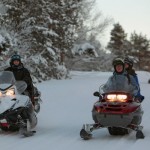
(7, 77)
(21, 86)
(119, 83)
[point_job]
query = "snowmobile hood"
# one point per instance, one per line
(6, 104)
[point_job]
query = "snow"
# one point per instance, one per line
(3, 9)
(2, 39)
(66, 107)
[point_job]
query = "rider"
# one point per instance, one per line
(21, 73)
(129, 68)
(120, 80)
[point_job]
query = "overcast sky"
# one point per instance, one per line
(133, 15)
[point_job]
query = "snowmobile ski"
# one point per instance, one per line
(139, 135)
(29, 133)
(85, 135)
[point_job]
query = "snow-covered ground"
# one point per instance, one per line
(66, 107)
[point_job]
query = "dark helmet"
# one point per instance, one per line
(15, 57)
(128, 61)
(118, 61)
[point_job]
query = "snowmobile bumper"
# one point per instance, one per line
(116, 120)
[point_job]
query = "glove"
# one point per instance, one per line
(139, 98)
(142, 97)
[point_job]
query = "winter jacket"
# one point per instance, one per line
(22, 73)
(121, 82)
(131, 72)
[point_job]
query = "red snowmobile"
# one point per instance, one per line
(118, 111)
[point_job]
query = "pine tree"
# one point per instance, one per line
(117, 40)
(140, 48)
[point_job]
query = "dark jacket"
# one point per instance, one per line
(131, 71)
(22, 73)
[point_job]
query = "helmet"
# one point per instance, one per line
(118, 61)
(128, 61)
(15, 57)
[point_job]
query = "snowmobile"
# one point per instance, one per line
(118, 111)
(16, 109)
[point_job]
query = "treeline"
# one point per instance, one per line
(137, 46)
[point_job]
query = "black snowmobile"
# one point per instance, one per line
(16, 109)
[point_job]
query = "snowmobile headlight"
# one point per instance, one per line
(10, 92)
(117, 97)
(122, 97)
(111, 97)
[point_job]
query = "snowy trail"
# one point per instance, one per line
(66, 107)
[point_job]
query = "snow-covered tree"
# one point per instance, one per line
(43, 30)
